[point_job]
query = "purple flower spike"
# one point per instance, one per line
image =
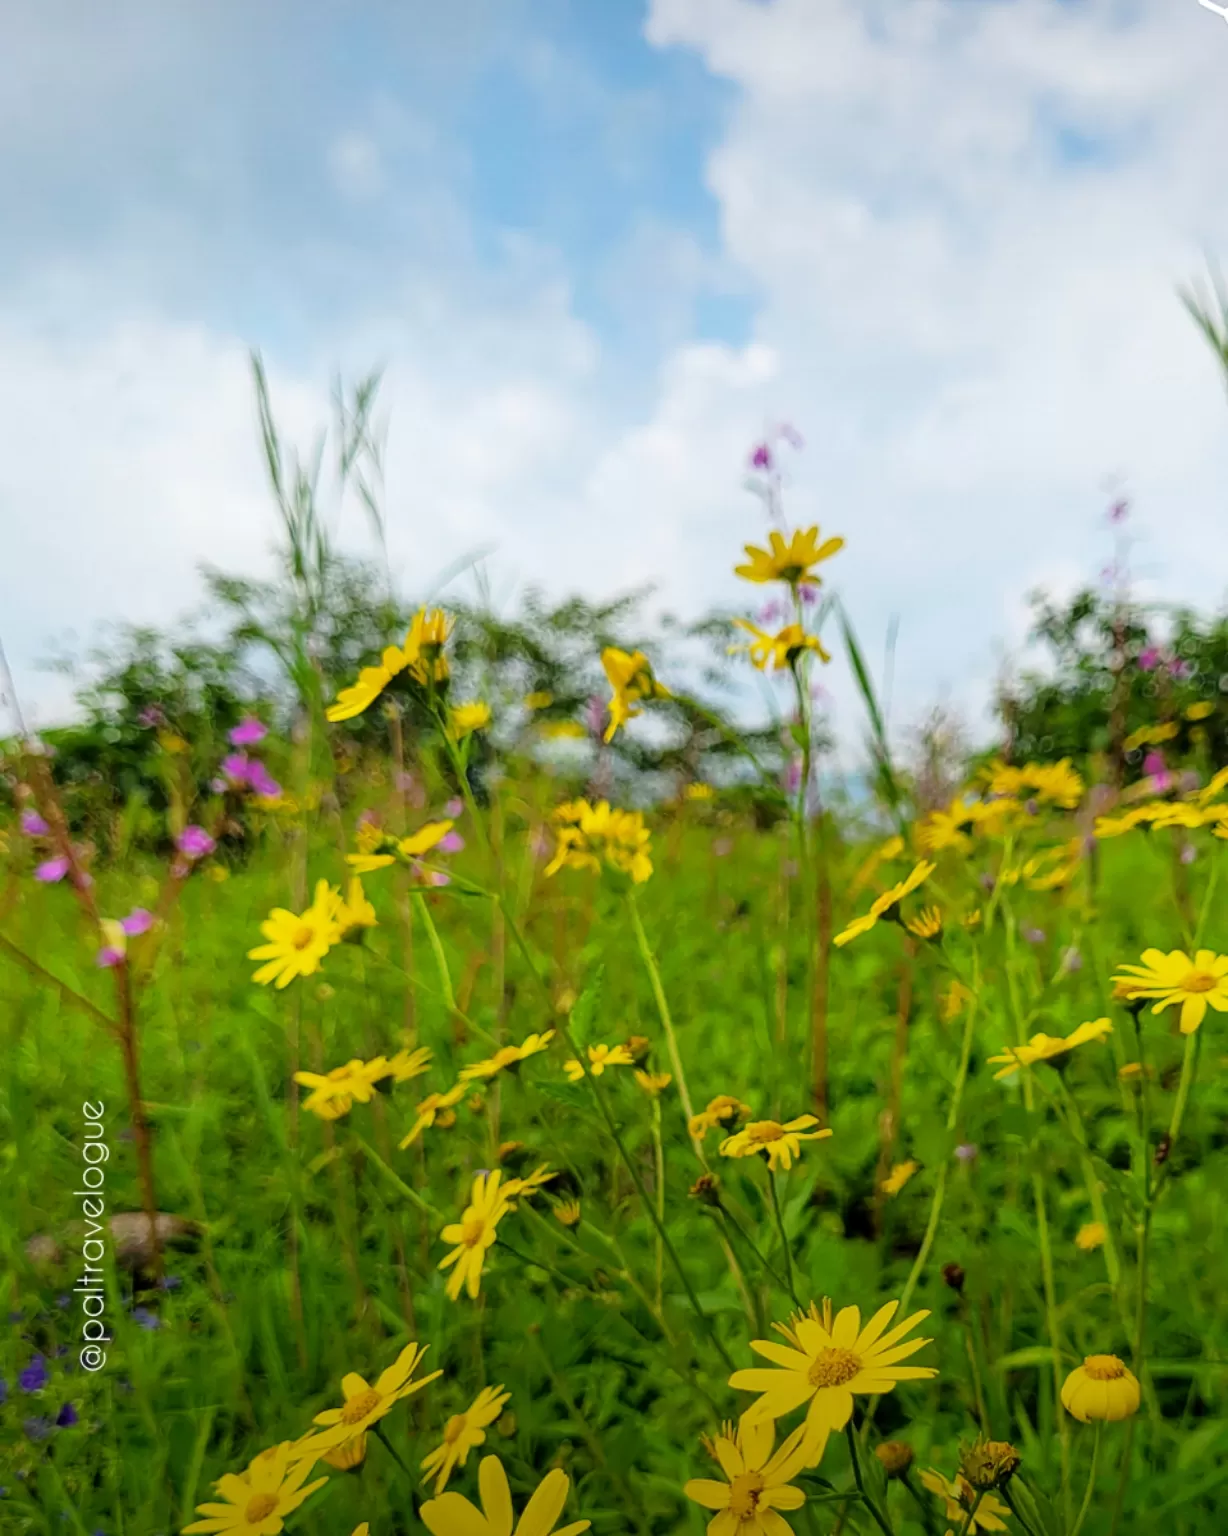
(236, 766)
(137, 921)
(108, 956)
(34, 1378)
(762, 457)
(195, 843)
(67, 1417)
(808, 593)
(51, 870)
(451, 842)
(248, 732)
(262, 782)
(1149, 659)
(33, 825)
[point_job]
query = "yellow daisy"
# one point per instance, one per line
(759, 1485)
(630, 676)
(781, 1143)
(654, 1083)
(722, 1112)
(599, 1058)
(298, 941)
(428, 634)
(1048, 1047)
(359, 697)
(567, 1212)
(257, 1502)
(336, 1091)
(926, 925)
(792, 562)
(1100, 1388)
(435, 1109)
(1091, 1235)
(541, 699)
(474, 1233)
(464, 719)
(829, 1360)
(366, 1405)
(960, 1496)
(463, 1433)
(507, 1057)
(898, 1177)
(451, 1514)
(590, 834)
(780, 650)
(1175, 978)
(884, 904)
(356, 912)
(348, 1455)
(524, 1188)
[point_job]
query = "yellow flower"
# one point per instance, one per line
(1214, 787)
(563, 730)
(366, 1405)
(898, 1177)
(1200, 711)
(542, 699)
(1148, 735)
(654, 1083)
(298, 941)
(1175, 978)
(926, 925)
(170, 742)
(631, 678)
(960, 1496)
(891, 849)
(781, 1143)
(335, 1092)
(409, 1064)
(590, 834)
(1100, 1388)
(884, 904)
(525, 1188)
(829, 1360)
(348, 1455)
(953, 1001)
(1090, 1235)
(428, 634)
(463, 1433)
(453, 1515)
(359, 696)
(509, 1056)
(1048, 1047)
(257, 1502)
(432, 1110)
(698, 791)
(474, 1233)
(356, 912)
(780, 650)
(1055, 782)
(760, 1483)
(599, 1058)
(464, 719)
(722, 1112)
(792, 562)
(567, 1212)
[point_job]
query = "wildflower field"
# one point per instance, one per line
(525, 1159)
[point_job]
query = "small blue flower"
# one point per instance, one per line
(145, 1319)
(170, 1282)
(67, 1417)
(63, 1302)
(34, 1377)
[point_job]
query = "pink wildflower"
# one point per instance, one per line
(194, 843)
(1149, 659)
(51, 870)
(33, 825)
(248, 732)
(454, 808)
(138, 921)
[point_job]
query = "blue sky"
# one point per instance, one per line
(600, 249)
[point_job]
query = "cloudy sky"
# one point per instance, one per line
(601, 249)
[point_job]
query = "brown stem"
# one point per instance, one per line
(140, 1126)
(28, 963)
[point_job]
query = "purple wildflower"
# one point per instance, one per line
(761, 458)
(51, 870)
(138, 921)
(235, 766)
(809, 593)
(194, 843)
(966, 1151)
(248, 732)
(1034, 935)
(791, 435)
(454, 807)
(1149, 659)
(793, 776)
(1118, 511)
(150, 716)
(107, 956)
(1153, 765)
(594, 715)
(439, 877)
(1188, 854)
(1072, 960)
(34, 1377)
(451, 842)
(33, 825)
(170, 1282)
(145, 1319)
(67, 1417)
(262, 781)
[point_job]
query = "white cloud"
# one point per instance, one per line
(356, 166)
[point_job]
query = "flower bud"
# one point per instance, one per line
(989, 1463)
(706, 1189)
(953, 1275)
(895, 1456)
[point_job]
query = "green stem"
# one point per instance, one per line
(388, 1446)
(667, 1023)
(1055, 1341)
(1015, 1510)
(855, 1455)
(411, 1195)
(784, 1236)
(1091, 1481)
(441, 960)
(971, 1515)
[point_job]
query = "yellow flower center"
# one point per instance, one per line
(744, 1494)
(833, 1367)
(766, 1130)
(454, 1428)
(359, 1407)
(1104, 1368)
(471, 1232)
(1199, 981)
(303, 936)
(260, 1508)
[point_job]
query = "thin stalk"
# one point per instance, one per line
(869, 1503)
(1091, 1481)
(971, 1515)
(395, 1454)
(784, 1236)
(667, 1023)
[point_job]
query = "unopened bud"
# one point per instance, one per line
(895, 1456)
(706, 1189)
(953, 1275)
(1163, 1147)
(989, 1464)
